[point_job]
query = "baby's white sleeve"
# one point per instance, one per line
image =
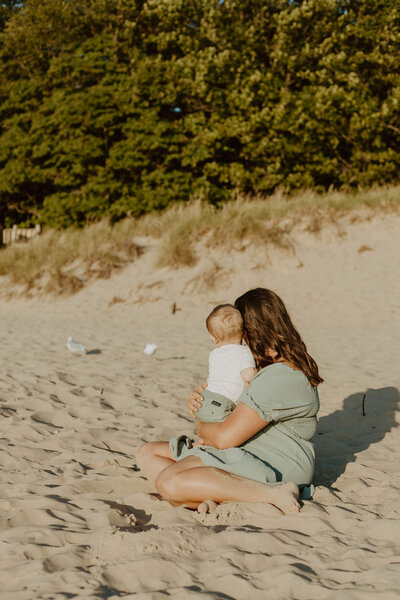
(246, 358)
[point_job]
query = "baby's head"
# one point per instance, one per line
(225, 325)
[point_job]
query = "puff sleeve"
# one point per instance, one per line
(279, 393)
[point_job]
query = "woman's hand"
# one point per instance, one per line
(195, 399)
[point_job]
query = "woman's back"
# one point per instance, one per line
(284, 397)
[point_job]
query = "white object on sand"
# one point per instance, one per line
(150, 348)
(75, 347)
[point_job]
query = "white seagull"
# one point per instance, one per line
(75, 347)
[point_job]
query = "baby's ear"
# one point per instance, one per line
(214, 339)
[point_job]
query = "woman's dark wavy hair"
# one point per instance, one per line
(267, 324)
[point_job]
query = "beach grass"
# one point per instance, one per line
(62, 262)
(259, 220)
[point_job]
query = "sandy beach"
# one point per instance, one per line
(78, 519)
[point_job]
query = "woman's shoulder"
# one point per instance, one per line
(279, 392)
(279, 370)
(280, 387)
(281, 375)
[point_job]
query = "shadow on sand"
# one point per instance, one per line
(346, 432)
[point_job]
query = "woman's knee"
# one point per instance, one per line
(144, 452)
(166, 484)
(149, 450)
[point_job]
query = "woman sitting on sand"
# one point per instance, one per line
(262, 451)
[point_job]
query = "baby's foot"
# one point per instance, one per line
(208, 506)
(285, 498)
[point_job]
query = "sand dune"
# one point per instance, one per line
(77, 518)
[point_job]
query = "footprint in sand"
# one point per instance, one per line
(78, 392)
(128, 518)
(66, 560)
(64, 377)
(45, 418)
(55, 398)
(6, 411)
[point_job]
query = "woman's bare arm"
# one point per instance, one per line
(240, 426)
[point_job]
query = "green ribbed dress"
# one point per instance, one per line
(282, 451)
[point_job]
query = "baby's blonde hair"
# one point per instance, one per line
(225, 322)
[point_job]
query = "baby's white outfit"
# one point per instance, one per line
(224, 366)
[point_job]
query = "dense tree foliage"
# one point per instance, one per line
(116, 107)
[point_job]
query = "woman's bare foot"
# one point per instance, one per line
(285, 498)
(208, 506)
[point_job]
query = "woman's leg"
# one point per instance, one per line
(188, 483)
(153, 457)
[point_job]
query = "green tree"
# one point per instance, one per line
(116, 107)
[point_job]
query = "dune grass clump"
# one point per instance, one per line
(258, 220)
(61, 262)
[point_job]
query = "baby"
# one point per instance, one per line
(231, 365)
